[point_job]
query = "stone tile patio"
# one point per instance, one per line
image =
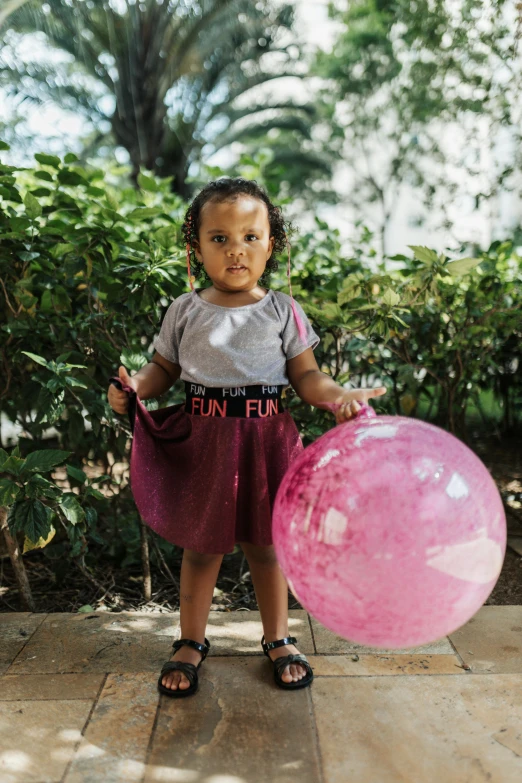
(78, 704)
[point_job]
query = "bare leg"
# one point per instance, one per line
(271, 590)
(197, 581)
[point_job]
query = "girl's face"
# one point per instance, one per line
(234, 234)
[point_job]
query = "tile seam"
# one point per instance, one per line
(84, 729)
(313, 635)
(26, 642)
(460, 658)
(155, 722)
(318, 753)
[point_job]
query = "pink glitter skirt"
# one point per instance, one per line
(206, 482)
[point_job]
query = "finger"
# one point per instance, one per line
(378, 392)
(118, 393)
(363, 395)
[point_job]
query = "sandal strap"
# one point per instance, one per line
(279, 643)
(188, 669)
(202, 648)
(281, 663)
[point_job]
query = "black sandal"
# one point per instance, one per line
(281, 663)
(188, 669)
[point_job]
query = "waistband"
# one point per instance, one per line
(250, 402)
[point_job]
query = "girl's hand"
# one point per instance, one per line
(349, 402)
(119, 400)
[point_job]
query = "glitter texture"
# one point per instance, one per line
(234, 346)
(390, 531)
(204, 482)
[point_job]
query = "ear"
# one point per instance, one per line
(197, 250)
(271, 243)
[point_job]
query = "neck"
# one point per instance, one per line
(232, 293)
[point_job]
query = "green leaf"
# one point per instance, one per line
(110, 214)
(424, 254)
(13, 464)
(390, 297)
(43, 175)
(33, 207)
(48, 160)
(9, 492)
(4, 145)
(71, 178)
(38, 485)
(45, 459)
(462, 266)
(70, 157)
(79, 475)
(40, 192)
(91, 515)
(55, 300)
(140, 213)
(112, 202)
(147, 183)
(92, 190)
(61, 248)
(399, 320)
(35, 358)
(85, 609)
(332, 310)
(40, 544)
(72, 510)
(75, 382)
(33, 518)
(327, 341)
(164, 236)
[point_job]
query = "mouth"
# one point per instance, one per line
(235, 270)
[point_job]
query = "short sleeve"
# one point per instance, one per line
(292, 343)
(166, 342)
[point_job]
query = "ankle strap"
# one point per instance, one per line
(202, 648)
(279, 643)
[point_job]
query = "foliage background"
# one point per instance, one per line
(88, 272)
(91, 252)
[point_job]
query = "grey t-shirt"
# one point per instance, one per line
(233, 346)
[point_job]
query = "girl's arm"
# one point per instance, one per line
(156, 377)
(312, 385)
(317, 388)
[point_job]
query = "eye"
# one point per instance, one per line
(220, 236)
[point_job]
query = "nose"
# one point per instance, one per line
(235, 248)
(235, 256)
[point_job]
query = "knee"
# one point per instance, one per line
(260, 555)
(200, 558)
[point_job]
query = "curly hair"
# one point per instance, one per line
(228, 189)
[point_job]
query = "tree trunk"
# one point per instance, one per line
(24, 588)
(145, 562)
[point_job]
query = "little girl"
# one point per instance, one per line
(205, 473)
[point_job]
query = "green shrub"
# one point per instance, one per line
(89, 268)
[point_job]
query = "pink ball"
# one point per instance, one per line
(389, 531)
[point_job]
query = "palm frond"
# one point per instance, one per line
(172, 68)
(293, 123)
